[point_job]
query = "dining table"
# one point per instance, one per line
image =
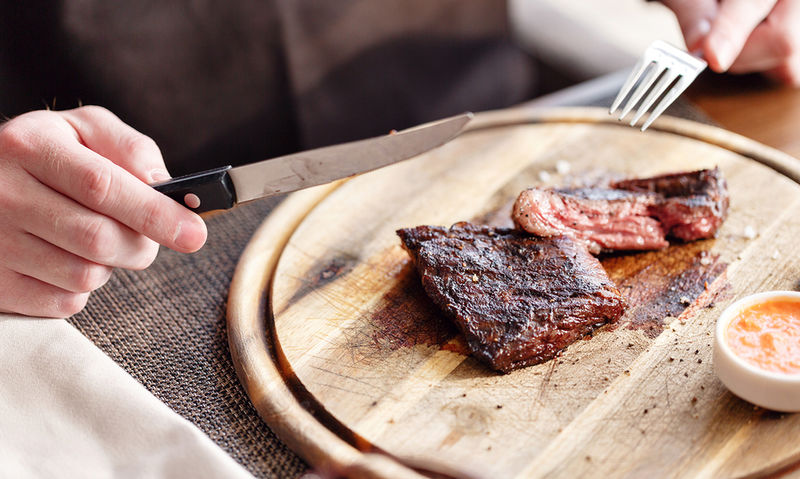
(141, 382)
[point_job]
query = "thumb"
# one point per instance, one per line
(694, 17)
(104, 133)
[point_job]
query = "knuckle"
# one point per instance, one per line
(146, 255)
(33, 298)
(88, 277)
(98, 239)
(139, 144)
(94, 111)
(95, 183)
(151, 219)
(15, 135)
(21, 132)
(70, 303)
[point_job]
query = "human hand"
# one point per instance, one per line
(743, 36)
(75, 203)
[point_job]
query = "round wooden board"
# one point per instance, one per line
(350, 364)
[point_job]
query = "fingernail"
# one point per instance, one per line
(189, 234)
(158, 175)
(696, 34)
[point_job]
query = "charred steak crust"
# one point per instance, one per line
(636, 214)
(517, 299)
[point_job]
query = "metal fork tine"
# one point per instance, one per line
(666, 80)
(662, 73)
(653, 72)
(670, 97)
(637, 71)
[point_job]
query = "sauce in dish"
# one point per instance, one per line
(767, 335)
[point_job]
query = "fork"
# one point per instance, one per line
(663, 73)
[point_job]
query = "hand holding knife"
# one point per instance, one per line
(77, 200)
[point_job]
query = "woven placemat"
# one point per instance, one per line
(166, 327)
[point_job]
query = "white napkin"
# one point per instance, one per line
(67, 410)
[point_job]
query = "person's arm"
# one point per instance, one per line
(743, 36)
(75, 203)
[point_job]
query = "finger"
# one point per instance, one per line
(64, 223)
(103, 132)
(102, 186)
(31, 256)
(28, 206)
(767, 48)
(788, 72)
(31, 297)
(694, 18)
(735, 21)
(772, 42)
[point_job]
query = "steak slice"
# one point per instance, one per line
(518, 299)
(602, 219)
(694, 204)
(636, 214)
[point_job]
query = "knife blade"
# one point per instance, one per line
(225, 187)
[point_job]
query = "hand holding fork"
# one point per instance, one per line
(739, 36)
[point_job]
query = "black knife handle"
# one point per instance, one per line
(213, 188)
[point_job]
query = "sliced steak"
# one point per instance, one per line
(634, 214)
(518, 299)
(694, 204)
(602, 219)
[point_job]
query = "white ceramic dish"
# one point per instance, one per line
(771, 390)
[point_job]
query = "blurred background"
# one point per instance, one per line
(582, 40)
(230, 83)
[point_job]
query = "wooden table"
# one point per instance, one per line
(752, 106)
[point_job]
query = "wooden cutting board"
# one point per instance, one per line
(349, 362)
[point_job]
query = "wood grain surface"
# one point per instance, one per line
(344, 354)
(753, 106)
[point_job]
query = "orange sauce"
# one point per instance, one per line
(767, 335)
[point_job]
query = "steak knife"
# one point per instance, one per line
(225, 187)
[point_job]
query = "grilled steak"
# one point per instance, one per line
(636, 214)
(517, 299)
